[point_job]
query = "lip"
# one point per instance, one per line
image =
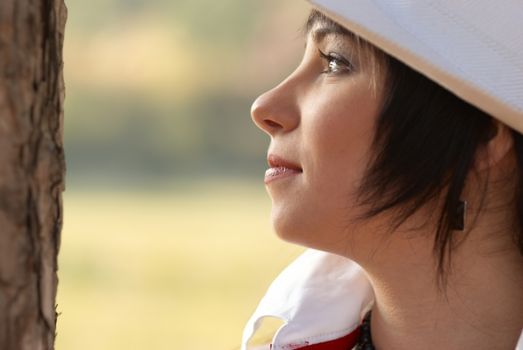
(280, 168)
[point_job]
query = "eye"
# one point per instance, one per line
(335, 63)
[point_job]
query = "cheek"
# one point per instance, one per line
(336, 133)
(341, 130)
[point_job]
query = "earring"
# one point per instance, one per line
(459, 219)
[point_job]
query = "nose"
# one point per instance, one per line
(276, 111)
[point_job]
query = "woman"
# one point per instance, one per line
(396, 154)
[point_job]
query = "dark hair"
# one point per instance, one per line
(426, 141)
(425, 144)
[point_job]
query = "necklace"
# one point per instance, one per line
(365, 338)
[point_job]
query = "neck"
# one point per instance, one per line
(480, 307)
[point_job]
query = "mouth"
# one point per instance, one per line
(280, 168)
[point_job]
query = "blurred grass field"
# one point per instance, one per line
(181, 268)
(159, 91)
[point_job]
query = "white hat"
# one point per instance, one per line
(474, 48)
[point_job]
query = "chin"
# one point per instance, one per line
(284, 225)
(313, 228)
(292, 228)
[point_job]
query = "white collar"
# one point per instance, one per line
(320, 297)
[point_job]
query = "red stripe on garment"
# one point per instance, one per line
(344, 343)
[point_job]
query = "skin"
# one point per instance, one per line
(322, 118)
(324, 122)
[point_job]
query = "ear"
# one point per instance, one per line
(495, 149)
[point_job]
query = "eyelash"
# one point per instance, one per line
(344, 65)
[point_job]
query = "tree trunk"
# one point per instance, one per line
(31, 170)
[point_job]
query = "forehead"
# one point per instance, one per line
(318, 26)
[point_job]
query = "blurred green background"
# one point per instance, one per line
(166, 241)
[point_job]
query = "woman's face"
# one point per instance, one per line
(321, 121)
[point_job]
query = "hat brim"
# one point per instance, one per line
(479, 63)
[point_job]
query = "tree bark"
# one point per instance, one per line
(31, 170)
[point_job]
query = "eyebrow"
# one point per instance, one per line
(318, 25)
